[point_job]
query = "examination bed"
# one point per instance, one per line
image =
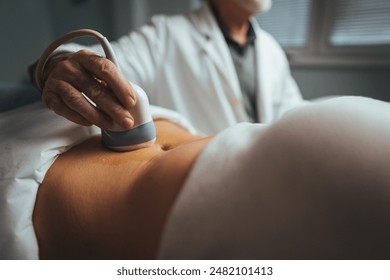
(314, 185)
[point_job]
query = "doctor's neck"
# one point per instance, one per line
(234, 18)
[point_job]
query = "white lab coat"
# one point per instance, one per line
(184, 64)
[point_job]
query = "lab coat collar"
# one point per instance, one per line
(214, 45)
(206, 24)
(213, 42)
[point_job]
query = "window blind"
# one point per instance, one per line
(288, 21)
(361, 22)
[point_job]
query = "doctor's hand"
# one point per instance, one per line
(68, 75)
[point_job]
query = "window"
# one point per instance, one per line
(361, 22)
(288, 21)
(333, 33)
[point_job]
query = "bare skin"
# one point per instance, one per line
(98, 204)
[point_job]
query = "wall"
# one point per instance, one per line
(128, 14)
(27, 27)
(66, 15)
(24, 31)
(316, 82)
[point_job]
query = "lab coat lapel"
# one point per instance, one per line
(263, 66)
(214, 45)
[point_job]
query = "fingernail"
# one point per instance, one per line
(127, 123)
(130, 102)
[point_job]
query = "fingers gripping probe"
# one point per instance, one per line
(143, 133)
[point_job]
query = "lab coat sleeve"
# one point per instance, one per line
(140, 53)
(291, 96)
(278, 90)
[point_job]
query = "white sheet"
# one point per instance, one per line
(215, 202)
(31, 139)
(287, 190)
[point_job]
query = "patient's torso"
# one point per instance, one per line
(96, 203)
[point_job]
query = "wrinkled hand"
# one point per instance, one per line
(68, 75)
